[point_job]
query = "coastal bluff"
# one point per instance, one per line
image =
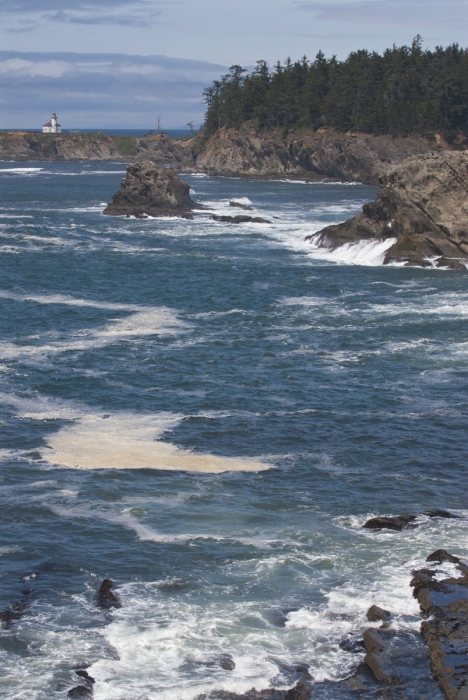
(422, 206)
(148, 190)
(246, 151)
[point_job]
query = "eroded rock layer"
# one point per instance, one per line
(152, 191)
(423, 205)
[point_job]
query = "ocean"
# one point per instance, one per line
(207, 414)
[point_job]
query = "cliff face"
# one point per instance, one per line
(423, 203)
(312, 155)
(307, 154)
(153, 191)
(17, 145)
(23, 145)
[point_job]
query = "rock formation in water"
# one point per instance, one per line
(153, 191)
(239, 219)
(423, 205)
(445, 601)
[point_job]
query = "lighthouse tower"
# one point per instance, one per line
(52, 127)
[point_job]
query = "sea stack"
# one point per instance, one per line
(152, 191)
(422, 204)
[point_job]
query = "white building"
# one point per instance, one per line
(52, 127)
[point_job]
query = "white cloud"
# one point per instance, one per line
(33, 69)
(144, 69)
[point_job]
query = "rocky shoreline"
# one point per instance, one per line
(393, 663)
(300, 154)
(421, 209)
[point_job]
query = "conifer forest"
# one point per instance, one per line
(405, 90)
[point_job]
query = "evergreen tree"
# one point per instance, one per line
(405, 90)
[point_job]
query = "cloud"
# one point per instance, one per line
(49, 69)
(144, 69)
(26, 15)
(388, 12)
(102, 90)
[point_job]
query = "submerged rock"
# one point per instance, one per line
(421, 209)
(80, 692)
(7, 617)
(397, 522)
(224, 661)
(404, 522)
(151, 191)
(106, 596)
(238, 205)
(240, 219)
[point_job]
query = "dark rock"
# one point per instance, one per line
(149, 190)
(81, 692)
(446, 633)
(422, 204)
(224, 661)
(441, 555)
(301, 691)
(439, 514)
(240, 219)
(353, 646)
(420, 579)
(89, 680)
(245, 207)
(398, 522)
(106, 597)
(375, 613)
(7, 617)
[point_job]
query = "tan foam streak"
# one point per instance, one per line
(129, 442)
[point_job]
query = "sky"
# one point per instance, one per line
(121, 63)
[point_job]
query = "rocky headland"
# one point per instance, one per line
(244, 152)
(421, 206)
(148, 190)
(307, 154)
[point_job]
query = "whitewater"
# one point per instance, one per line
(207, 414)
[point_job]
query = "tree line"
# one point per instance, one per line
(405, 90)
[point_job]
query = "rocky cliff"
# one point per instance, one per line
(97, 146)
(148, 190)
(422, 205)
(306, 154)
(300, 154)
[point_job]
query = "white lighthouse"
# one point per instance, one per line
(52, 127)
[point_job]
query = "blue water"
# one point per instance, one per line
(314, 391)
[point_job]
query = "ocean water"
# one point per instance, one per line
(207, 414)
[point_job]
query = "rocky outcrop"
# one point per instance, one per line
(106, 596)
(307, 154)
(246, 152)
(239, 219)
(22, 145)
(96, 146)
(153, 191)
(404, 522)
(446, 633)
(421, 207)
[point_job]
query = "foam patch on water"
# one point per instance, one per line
(129, 441)
(145, 321)
(369, 252)
(119, 441)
